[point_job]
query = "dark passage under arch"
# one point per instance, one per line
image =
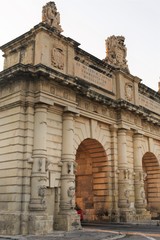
(92, 180)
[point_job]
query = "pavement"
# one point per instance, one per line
(87, 233)
(84, 234)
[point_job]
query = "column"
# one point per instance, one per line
(123, 171)
(67, 201)
(68, 218)
(38, 177)
(140, 200)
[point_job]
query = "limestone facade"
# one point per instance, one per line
(74, 129)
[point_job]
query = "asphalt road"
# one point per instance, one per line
(132, 231)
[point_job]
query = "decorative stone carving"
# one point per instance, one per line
(51, 17)
(71, 194)
(52, 90)
(127, 174)
(66, 94)
(143, 194)
(75, 165)
(127, 193)
(87, 106)
(40, 164)
(116, 52)
(41, 193)
(129, 91)
(95, 108)
(57, 58)
(144, 176)
(137, 120)
(69, 164)
(48, 163)
(104, 111)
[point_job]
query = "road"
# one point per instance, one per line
(132, 231)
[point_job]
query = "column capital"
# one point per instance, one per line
(70, 109)
(44, 100)
(137, 136)
(138, 133)
(122, 131)
(38, 106)
(123, 126)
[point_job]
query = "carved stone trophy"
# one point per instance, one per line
(51, 17)
(116, 52)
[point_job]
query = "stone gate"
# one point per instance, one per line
(74, 129)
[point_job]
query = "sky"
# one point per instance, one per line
(91, 22)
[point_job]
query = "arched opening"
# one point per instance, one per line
(151, 170)
(92, 182)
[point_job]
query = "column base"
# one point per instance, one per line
(127, 216)
(40, 224)
(134, 217)
(143, 216)
(67, 222)
(114, 216)
(10, 223)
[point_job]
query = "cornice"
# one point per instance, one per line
(79, 86)
(148, 92)
(33, 31)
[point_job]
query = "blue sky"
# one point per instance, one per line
(90, 22)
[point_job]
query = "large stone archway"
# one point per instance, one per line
(92, 182)
(56, 99)
(151, 170)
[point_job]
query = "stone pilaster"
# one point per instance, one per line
(140, 200)
(115, 209)
(68, 219)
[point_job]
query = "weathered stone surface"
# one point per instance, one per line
(74, 130)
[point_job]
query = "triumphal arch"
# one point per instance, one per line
(74, 129)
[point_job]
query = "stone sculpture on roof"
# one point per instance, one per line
(51, 17)
(116, 52)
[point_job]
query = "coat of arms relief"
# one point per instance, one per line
(57, 58)
(129, 91)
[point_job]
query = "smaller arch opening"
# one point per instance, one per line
(151, 170)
